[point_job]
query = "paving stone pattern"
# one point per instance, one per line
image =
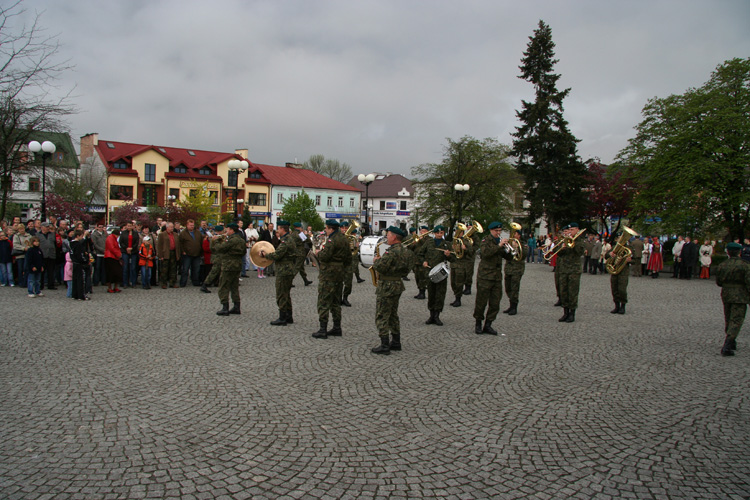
(149, 394)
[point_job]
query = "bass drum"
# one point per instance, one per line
(367, 249)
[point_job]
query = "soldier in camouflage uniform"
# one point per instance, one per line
(618, 283)
(348, 272)
(301, 252)
(420, 272)
(391, 268)
(568, 268)
(477, 242)
(285, 258)
(436, 251)
(462, 267)
(213, 275)
(232, 252)
(514, 270)
(334, 258)
(733, 276)
(490, 279)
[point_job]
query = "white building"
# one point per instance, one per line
(389, 201)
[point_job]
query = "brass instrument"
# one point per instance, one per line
(458, 241)
(618, 257)
(475, 227)
(318, 240)
(567, 242)
(513, 246)
(413, 239)
(373, 273)
(353, 241)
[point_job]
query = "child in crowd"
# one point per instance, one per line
(146, 261)
(6, 261)
(34, 261)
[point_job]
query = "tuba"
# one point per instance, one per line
(373, 273)
(618, 257)
(353, 241)
(459, 241)
(567, 242)
(318, 240)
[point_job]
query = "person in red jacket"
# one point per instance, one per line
(113, 261)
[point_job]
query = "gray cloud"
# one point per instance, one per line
(376, 84)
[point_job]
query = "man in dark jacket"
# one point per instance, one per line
(191, 246)
(688, 258)
(129, 244)
(47, 244)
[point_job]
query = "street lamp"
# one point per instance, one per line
(237, 166)
(47, 149)
(366, 180)
(460, 189)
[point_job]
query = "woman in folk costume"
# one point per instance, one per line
(655, 262)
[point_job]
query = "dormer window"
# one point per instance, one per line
(120, 165)
(205, 171)
(255, 175)
(180, 169)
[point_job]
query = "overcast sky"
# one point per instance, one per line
(378, 84)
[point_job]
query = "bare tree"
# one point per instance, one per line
(332, 168)
(29, 71)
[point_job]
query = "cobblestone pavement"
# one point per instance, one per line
(149, 394)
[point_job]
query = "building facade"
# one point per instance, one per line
(389, 202)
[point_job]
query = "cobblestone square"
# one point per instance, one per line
(149, 394)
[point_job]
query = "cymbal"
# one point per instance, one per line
(255, 253)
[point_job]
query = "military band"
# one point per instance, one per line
(301, 252)
(436, 252)
(568, 269)
(420, 272)
(232, 251)
(514, 269)
(462, 266)
(334, 258)
(285, 256)
(490, 280)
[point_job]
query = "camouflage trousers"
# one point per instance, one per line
(489, 295)
(329, 300)
(436, 295)
(300, 267)
(229, 283)
(619, 285)
(386, 307)
(459, 277)
(570, 284)
(284, 293)
(470, 275)
(420, 273)
(734, 316)
(348, 278)
(213, 274)
(513, 286)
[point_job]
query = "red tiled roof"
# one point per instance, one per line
(292, 176)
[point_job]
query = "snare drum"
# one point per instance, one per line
(440, 272)
(367, 249)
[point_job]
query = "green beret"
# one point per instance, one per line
(282, 223)
(734, 246)
(571, 225)
(218, 229)
(332, 223)
(495, 225)
(344, 223)
(297, 224)
(412, 229)
(233, 226)
(396, 230)
(438, 228)
(424, 227)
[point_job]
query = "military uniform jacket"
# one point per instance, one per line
(420, 249)
(285, 256)
(433, 253)
(334, 257)
(569, 259)
(232, 250)
(216, 258)
(298, 244)
(733, 276)
(394, 265)
(491, 265)
(514, 267)
(467, 260)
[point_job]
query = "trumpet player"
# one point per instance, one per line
(462, 267)
(334, 258)
(436, 252)
(299, 240)
(514, 269)
(420, 272)
(348, 273)
(490, 279)
(568, 270)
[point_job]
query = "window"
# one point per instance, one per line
(403, 205)
(180, 169)
(193, 193)
(317, 200)
(280, 198)
(120, 165)
(255, 175)
(256, 199)
(149, 196)
(120, 192)
(351, 202)
(150, 172)
(214, 196)
(382, 205)
(341, 201)
(175, 192)
(518, 201)
(34, 184)
(205, 171)
(110, 145)
(294, 197)
(191, 153)
(232, 178)
(330, 201)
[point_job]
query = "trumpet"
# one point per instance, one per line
(567, 242)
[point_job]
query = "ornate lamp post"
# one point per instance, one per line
(237, 166)
(47, 149)
(460, 189)
(367, 179)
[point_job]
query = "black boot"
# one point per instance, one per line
(733, 344)
(235, 308)
(571, 316)
(508, 309)
(513, 309)
(345, 301)
(406, 278)
(322, 333)
(467, 289)
(383, 348)
(204, 288)
(360, 280)
(616, 309)
(437, 319)
(420, 295)
(478, 327)
(488, 328)
(431, 321)
(281, 321)
(726, 350)
(457, 302)
(565, 316)
(558, 303)
(395, 342)
(622, 308)
(307, 281)
(224, 309)
(336, 330)
(289, 318)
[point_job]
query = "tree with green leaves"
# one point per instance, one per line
(690, 158)
(302, 209)
(200, 204)
(331, 168)
(483, 165)
(544, 148)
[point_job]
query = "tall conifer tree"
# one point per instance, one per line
(545, 150)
